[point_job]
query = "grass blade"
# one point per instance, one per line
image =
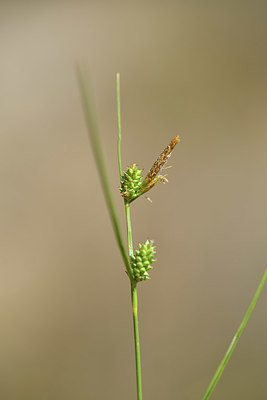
(233, 344)
(94, 136)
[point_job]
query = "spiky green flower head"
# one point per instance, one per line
(142, 260)
(131, 181)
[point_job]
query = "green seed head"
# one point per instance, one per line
(142, 260)
(131, 181)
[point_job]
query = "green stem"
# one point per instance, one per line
(119, 121)
(134, 308)
(129, 228)
(136, 342)
(101, 165)
(233, 344)
(130, 247)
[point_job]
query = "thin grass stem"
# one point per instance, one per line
(119, 121)
(233, 344)
(136, 342)
(134, 309)
(129, 228)
(130, 249)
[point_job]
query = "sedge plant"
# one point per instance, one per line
(138, 263)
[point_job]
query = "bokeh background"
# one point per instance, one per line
(194, 68)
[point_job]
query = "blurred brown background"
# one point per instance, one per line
(194, 68)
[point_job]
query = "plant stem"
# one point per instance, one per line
(136, 342)
(119, 121)
(101, 165)
(233, 344)
(134, 308)
(129, 228)
(130, 248)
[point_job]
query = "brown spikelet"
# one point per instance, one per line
(152, 177)
(162, 159)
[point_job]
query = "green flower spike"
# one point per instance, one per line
(131, 181)
(142, 260)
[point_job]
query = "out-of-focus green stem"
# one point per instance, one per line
(233, 344)
(94, 136)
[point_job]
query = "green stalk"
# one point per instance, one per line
(134, 309)
(129, 228)
(130, 248)
(233, 344)
(136, 342)
(119, 121)
(101, 165)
